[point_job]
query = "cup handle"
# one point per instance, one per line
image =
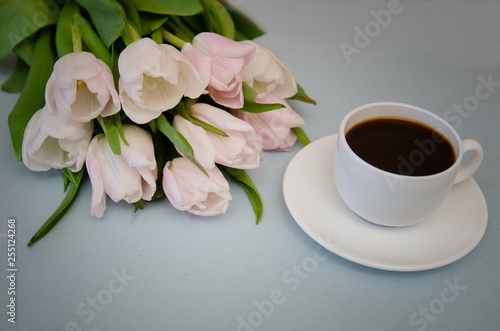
(468, 169)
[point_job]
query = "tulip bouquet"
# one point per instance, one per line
(150, 98)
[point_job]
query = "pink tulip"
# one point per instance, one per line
(154, 78)
(81, 88)
(241, 149)
(189, 189)
(57, 144)
(268, 75)
(130, 176)
(220, 61)
(274, 126)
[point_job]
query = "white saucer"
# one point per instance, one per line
(446, 236)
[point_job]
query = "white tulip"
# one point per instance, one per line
(41, 151)
(268, 75)
(189, 189)
(154, 78)
(241, 149)
(130, 176)
(81, 88)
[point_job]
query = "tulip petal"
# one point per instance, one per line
(200, 61)
(140, 154)
(274, 126)
(41, 151)
(227, 58)
(81, 88)
(268, 75)
(187, 188)
(203, 149)
(234, 55)
(154, 78)
(241, 149)
(98, 200)
(32, 140)
(135, 112)
(130, 176)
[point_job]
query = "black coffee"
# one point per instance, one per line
(401, 146)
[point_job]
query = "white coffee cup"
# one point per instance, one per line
(390, 199)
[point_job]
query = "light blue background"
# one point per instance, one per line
(182, 272)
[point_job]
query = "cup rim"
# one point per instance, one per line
(453, 167)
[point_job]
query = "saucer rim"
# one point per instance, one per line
(377, 263)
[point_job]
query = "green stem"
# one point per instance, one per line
(157, 37)
(65, 38)
(172, 39)
(130, 34)
(301, 135)
(76, 37)
(187, 31)
(92, 39)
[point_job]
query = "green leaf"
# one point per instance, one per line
(195, 23)
(181, 110)
(179, 32)
(111, 132)
(25, 50)
(132, 14)
(207, 127)
(302, 96)
(72, 193)
(32, 97)
(183, 28)
(169, 7)
(253, 107)
(16, 81)
(71, 176)
(119, 127)
(178, 140)
(244, 25)
(151, 22)
(249, 92)
(252, 192)
(115, 54)
(138, 205)
(301, 135)
(217, 18)
(21, 19)
(108, 17)
(238, 36)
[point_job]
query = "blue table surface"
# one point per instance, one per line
(160, 269)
